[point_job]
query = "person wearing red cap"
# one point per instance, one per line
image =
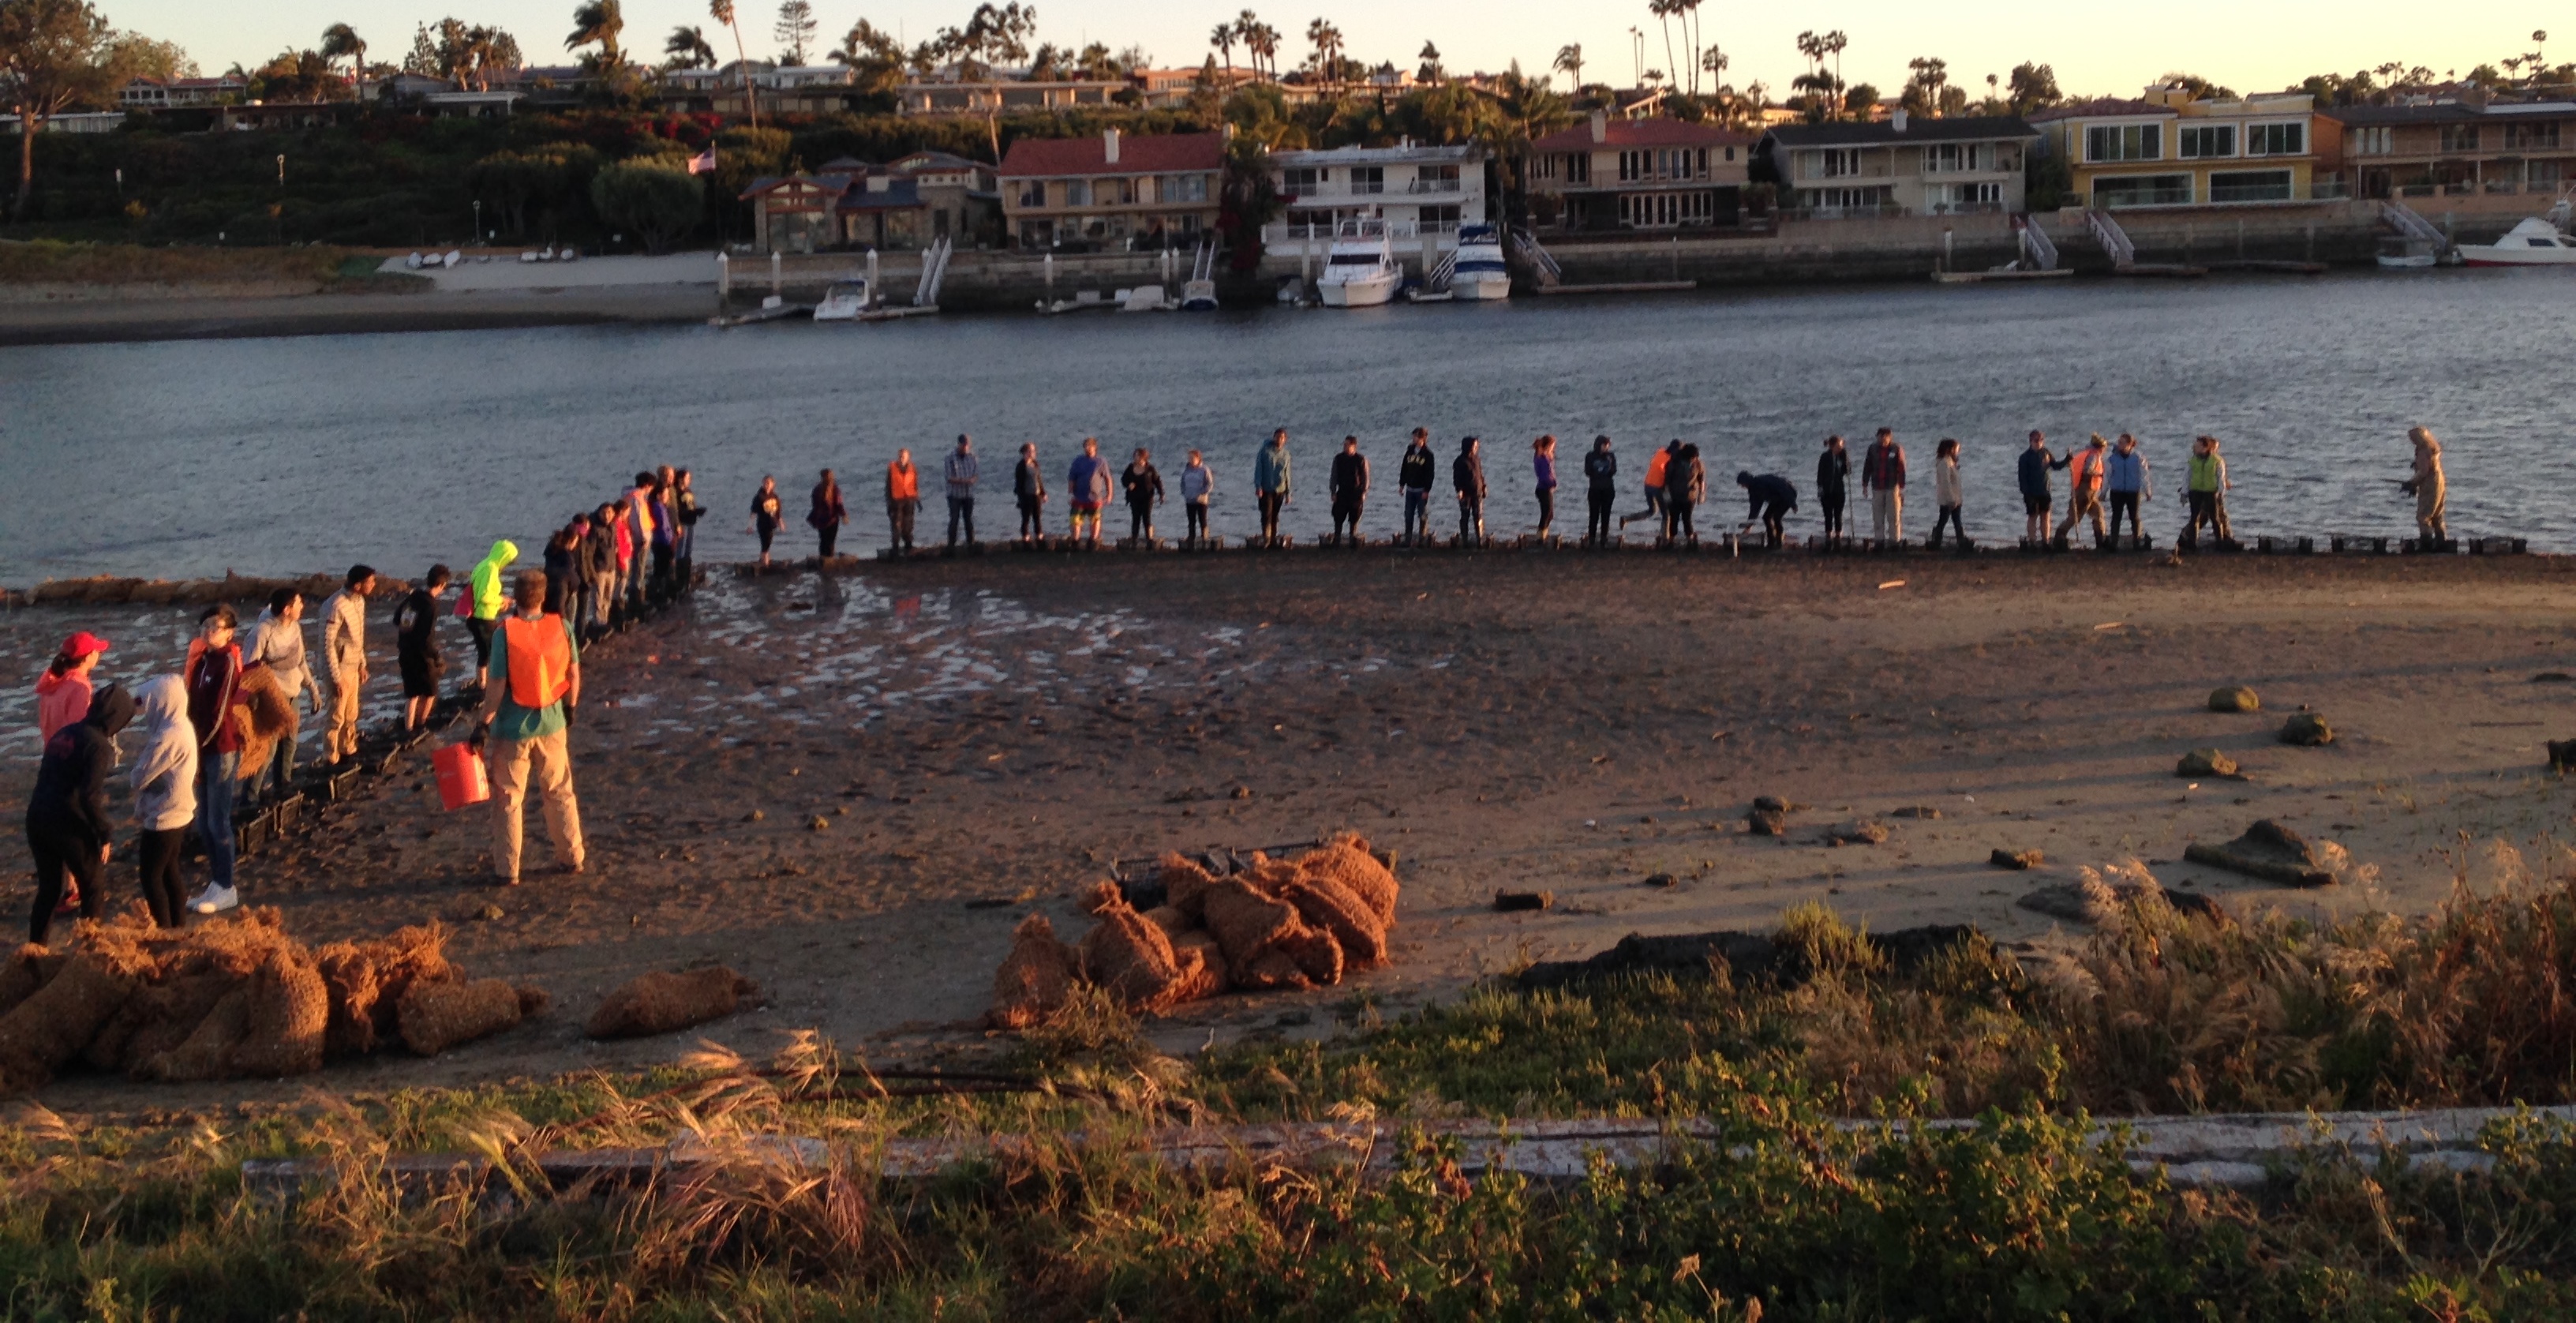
(62, 692)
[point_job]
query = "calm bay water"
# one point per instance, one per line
(291, 455)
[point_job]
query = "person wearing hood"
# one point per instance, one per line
(62, 692)
(1413, 476)
(487, 595)
(67, 824)
(1769, 497)
(1467, 475)
(213, 675)
(164, 781)
(2430, 489)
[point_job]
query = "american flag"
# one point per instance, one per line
(704, 162)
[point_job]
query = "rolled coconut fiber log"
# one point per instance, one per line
(1346, 861)
(1035, 978)
(1327, 905)
(21, 975)
(659, 1003)
(437, 1016)
(158, 1019)
(1202, 963)
(289, 1011)
(1131, 959)
(1185, 885)
(55, 1022)
(209, 1045)
(1245, 922)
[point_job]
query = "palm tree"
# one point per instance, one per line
(688, 49)
(1663, 10)
(1569, 61)
(599, 23)
(722, 12)
(1833, 45)
(1223, 40)
(340, 41)
(1263, 42)
(1689, 10)
(1327, 41)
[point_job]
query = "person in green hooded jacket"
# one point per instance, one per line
(486, 597)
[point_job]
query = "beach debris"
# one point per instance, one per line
(1892, 583)
(230, 998)
(1664, 880)
(1275, 924)
(1769, 815)
(2234, 698)
(2207, 762)
(2095, 897)
(2553, 677)
(1506, 902)
(2018, 861)
(2274, 853)
(1859, 831)
(2199, 905)
(1782, 960)
(2307, 728)
(819, 823)
(2562, 757)
(658, 1003)
(437, 1016)
(1099, 897)
(1922, 812)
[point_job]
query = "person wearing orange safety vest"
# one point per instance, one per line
(903, 500)
(2084, 490)
(531, 688)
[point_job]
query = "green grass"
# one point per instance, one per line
(1791, 1213)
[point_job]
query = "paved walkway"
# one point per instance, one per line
(506, 272)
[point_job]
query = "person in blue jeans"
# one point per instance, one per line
(213, 674)
(1414, 476)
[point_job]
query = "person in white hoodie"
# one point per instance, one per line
(164, 780)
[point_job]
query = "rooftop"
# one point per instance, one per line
(1977, 128)
(1411, 151)
(1653, 132)
(1137, 154)
(2102, 107)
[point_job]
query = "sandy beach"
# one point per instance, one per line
(850, 788)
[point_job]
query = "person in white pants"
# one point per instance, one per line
(1882, 475)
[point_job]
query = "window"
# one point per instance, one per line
(1730, 153)
(1544, 166)
(1840, 163)
(2530, 135)
(2459, 137)
(1632, 166)
(1300, 179)
(1957, 158)
(2125, 142)
(1368, 179)
(2206, 140)
(2250, 186)
(1033, 193)
(2378, 141)
(1436, 179)
(2275, 139)
(1953, 198)
(2142, 191)
(1181, 188)
(1829, 200)
(1436, 220)
(1578, 167)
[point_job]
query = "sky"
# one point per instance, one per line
(2115, 50)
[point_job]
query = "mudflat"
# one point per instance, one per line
(851, 787)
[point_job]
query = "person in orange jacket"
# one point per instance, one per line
(2084, 471)
(903, 500)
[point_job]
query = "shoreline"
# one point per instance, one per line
(120, 320)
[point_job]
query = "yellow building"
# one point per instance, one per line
(2168, 149)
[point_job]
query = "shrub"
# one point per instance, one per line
(654, 202)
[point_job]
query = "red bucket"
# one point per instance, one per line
(461, 777)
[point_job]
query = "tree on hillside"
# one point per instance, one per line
(2032, 88)
(1927, 86)
(1327, 41)
(795, 30)
(687, 48)
(2201, 89)
(875, 56)
(657, 202)
(1569, 61)
(1663, 10)
(295, 76)
(139, 56)
(1261, 41)
(342, 42)
(54, 54)
(1223, 40)
(722, 11)
(1859, 100)
(1430, 72)
(599, 23)
(465, 55)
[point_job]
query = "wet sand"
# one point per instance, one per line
(815, 780)
(222, 316)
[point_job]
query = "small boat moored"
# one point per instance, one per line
(2400, 252)
(2534, 242)
(844, 300)
(1479, 273)
(1361, 271)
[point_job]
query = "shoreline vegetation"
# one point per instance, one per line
(1784, 1213)
(51, 268)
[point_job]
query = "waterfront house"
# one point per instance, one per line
(1112, 190)
(1903, 165)
(1420, 192)
(1638, 174)
(2451, 147)
(903, 205)
(180, 93)
(2171, 149)
(1007, 97)
(1163, 89)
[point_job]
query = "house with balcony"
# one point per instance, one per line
(904, 205)
(2170, 149)
(180, 93)
(2451, 147)
(1900, 166)
(1112, 191)
(1613, 174)
(1004, 97)
(1420, 192)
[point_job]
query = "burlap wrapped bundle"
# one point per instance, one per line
(406, 958)
(1035, 977)
(1315, 953)
(1171, 919)
(1098, 896)
(658, 1003)
(437, 1016)
(1202, 965)
(158, 1019)
(1273, 970)
(1267, 875)
(207, 1052)
(21, 975)
(1245, 921)
(268, 716)
(1327, 906)
(349, 981)
(1346, 860)
(1131, 959)
(56, 1021)
(289, 1010)
(1185, 885)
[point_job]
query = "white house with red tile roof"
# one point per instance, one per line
(1419, 191)
(1111, 191)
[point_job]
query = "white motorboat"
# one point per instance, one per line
(2402, 252)
(1480, 273)
(843, 301)
(1361, 271)
(2534, 242)
(1198, 296)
